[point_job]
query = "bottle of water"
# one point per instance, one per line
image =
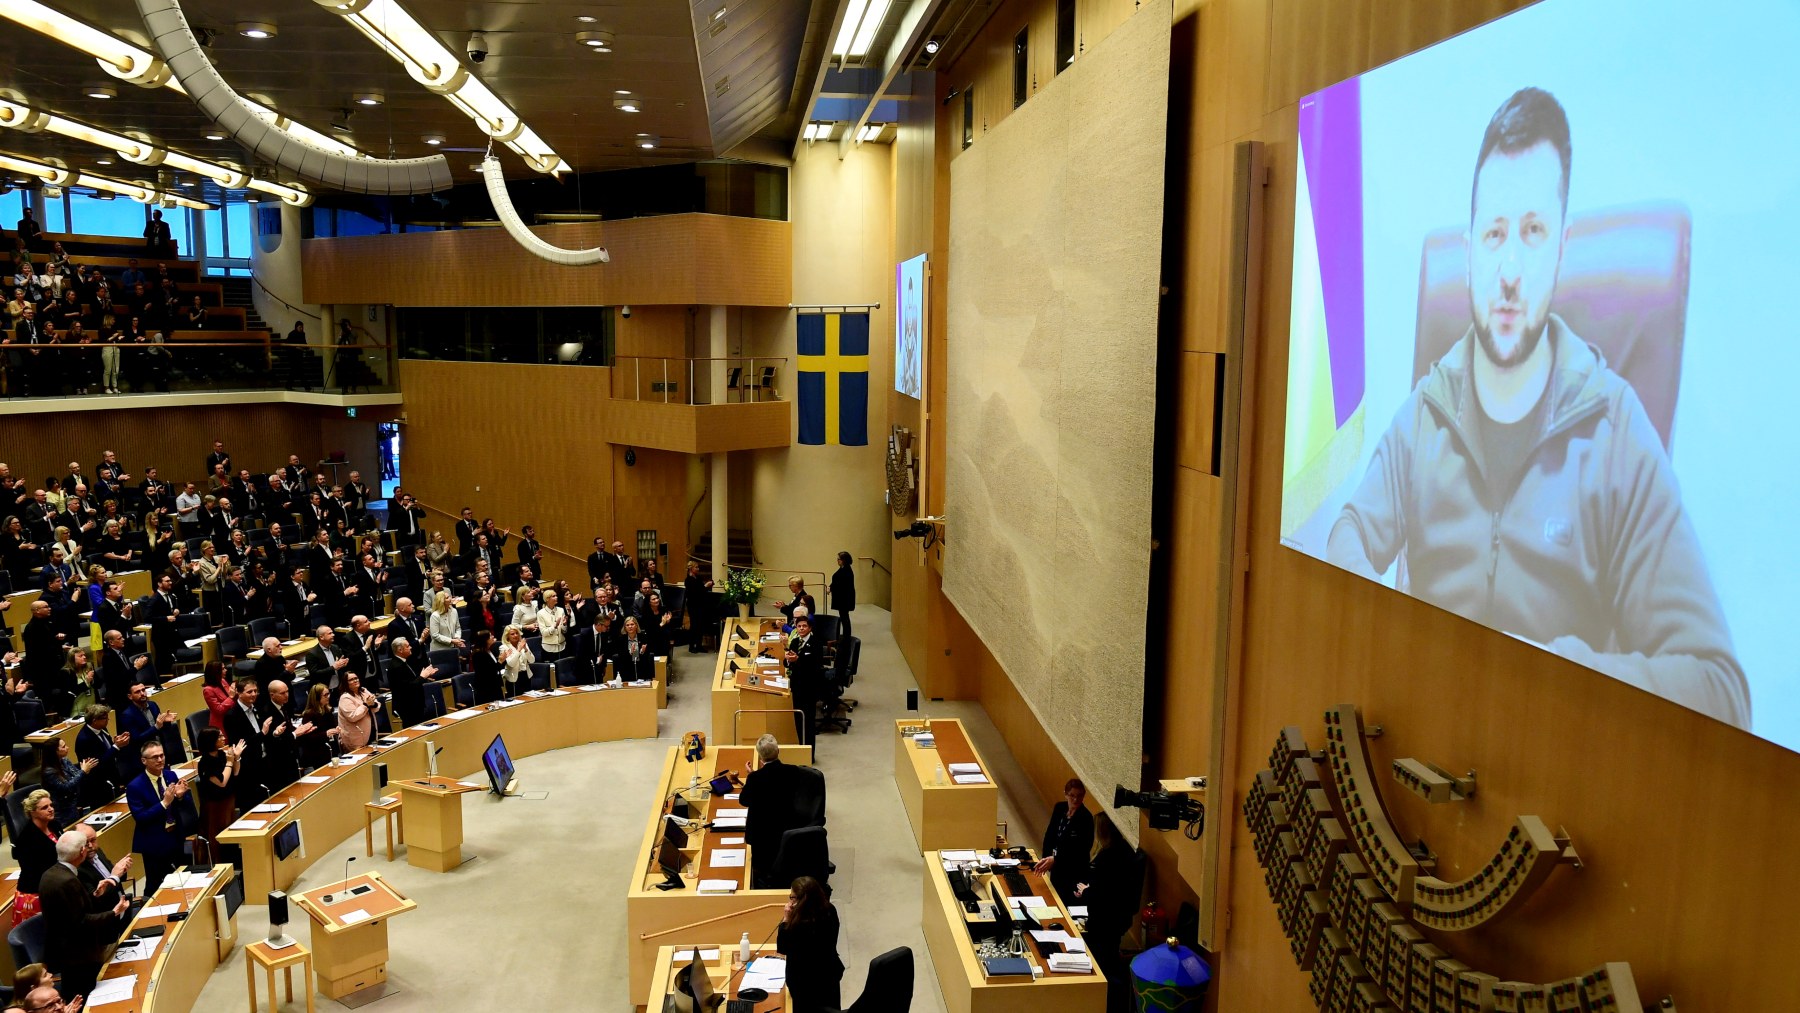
(940, 774)
(744, 948)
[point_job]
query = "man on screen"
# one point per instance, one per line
(1521, 484)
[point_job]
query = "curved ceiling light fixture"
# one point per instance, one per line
(117, 57)
(169, 31)
(60, 175)
(515, 226)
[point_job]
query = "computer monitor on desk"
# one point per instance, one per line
(499, 766)
(670, 859)
(1003, 920)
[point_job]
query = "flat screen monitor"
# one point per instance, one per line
(499, 766)
(672, 832)
(287, 840)
(669, 857)
(1540, 364)
(910, 327)
(1003, 920)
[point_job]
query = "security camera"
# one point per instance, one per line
(478, 49)
(625, 311)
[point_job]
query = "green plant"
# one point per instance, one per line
(742, 586)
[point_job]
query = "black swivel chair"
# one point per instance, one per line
(27, 940)
(889, 986)
(804, 852)
(197, 722)
(15, 812)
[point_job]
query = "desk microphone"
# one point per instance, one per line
(340, 891)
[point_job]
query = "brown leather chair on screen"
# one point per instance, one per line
(1623, 287)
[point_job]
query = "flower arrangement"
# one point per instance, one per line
(742, 586)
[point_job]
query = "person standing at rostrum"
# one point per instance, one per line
(1067, 841)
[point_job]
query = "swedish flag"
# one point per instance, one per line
(833, 374)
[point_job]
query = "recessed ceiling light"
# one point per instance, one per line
(256, 29)
(628, 104)
(102, 91)
(647, 141)
(215, 136)
(586, 19)
(932, 46)
(433, 139)
(621, 91)
(368, 98)
(102, 161)
(599, 42)
(185, 183)
(719, 15)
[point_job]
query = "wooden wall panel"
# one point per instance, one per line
(550, 466)
(670, 259)
(177, 441)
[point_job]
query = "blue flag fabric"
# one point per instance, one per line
(833, 378)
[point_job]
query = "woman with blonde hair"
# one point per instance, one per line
(444, 625)
(525, 610)
(437, 551)
(797, 591)
(212, 573)
(515, 661)
(553, 627)
(70, 547)
(35, 849)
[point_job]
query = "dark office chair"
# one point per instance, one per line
(29, 713)
(463, 688)
(190, 626)
(889, 986)
(15, 812)
(234, 642)
(27, 940)
(540, 675)
(446, 661)
(803, 852)
(572, 671)
(173, 750)
(197, 722)
(265, 627)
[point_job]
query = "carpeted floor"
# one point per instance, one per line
(536, 918)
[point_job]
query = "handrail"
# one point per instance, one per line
(258, 283)
(546, 546)
(823, 586)
(876, 562)
(749, 389)
(708, 921)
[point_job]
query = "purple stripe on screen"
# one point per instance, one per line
(1331, 140)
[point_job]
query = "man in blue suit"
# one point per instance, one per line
(164, 814)
(142, 719)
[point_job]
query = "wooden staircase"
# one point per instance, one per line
(738, 552)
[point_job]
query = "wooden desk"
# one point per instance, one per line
(435, 804)
(947, 815)
(349, 956)
(18, 613)
(289, 649)
(182, 695)
(965, 987)
(732, 690)
(721, 971)
(187, 954)
(655, 918)
(329, 801)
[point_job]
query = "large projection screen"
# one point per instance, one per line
(1055, 246)
(909, 327)
(1542, 349)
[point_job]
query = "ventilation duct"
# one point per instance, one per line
(515, 226)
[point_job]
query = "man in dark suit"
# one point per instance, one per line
(281, 751)
(43, 645)
(371, 579)
(96, 742)
(416, 571)
(623, 568)
(114, 612)
(408, 623)
(100, 874)
(117, 672)
(531, 553)
(340, 593)
(697, 600)
(356, 499)
(806, 675)
(276, 556)
(236, 597)
(1068, 840)
(225, 520)
(80, 925)
(780, 797)
(407, 520)
(364, 646)
(272, 665)
(163, 813)
(218, 456)
(599, 563)
(466, 528)
(165, 608)
(244, 724)
(327, 662)
(318, 559)
(594, 645)
(157, 494)
(293, 474)
(407, 677)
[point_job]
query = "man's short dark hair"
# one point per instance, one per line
(1531, 116)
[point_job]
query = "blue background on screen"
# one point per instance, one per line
(1662, 106)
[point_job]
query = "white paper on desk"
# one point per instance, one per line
(135, 949)
(13, 875)
(777, 681)
(732, 797)
(1059, 937)
(314, 779)
(352, 917)
(269, 807)
(766, 973)
(958, 856)
(1077, 910)
(558, 692)
(727, 858)
(188, 880)
(112, 990)
(459, 715)
(190, 677)
(965, 768)
(1026, 902)
(159, 911)
(969, 778)
(717, 886)
(683, 956)
(197, 641)
(731, 840)
(248, 825)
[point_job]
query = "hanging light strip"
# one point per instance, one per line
(57, 175)
(429, 62)
(117, 57)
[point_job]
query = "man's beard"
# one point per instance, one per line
(1528, 342)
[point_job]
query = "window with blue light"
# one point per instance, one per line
(52, 213)
(94, 216)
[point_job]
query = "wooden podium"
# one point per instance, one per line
(433, 821)
(349, 935)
